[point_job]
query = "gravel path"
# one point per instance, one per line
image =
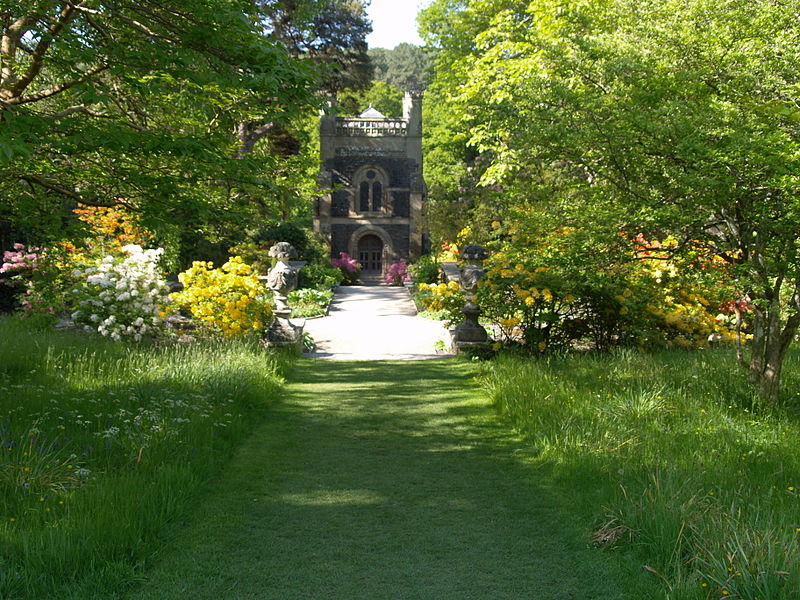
(372, 323)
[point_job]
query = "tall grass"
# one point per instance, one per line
(103, 444)
(672, 455)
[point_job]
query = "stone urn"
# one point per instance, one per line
(282, 279)
(470, 333)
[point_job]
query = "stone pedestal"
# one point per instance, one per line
(470, 334)
(282, 279)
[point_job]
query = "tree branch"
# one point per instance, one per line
(81, 108)
(57, 89)
(8, 50)
(55, 187)
(37, 58)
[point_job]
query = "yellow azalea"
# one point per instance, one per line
(620, 298)
(530, 301)
(627, 293)
(454, 285)
(523, 294)
(509, 323)
(535, 292)
(506, 273)
(520, 268)
(547, 295)
(623, 310)
(495, 224)
(569, 298)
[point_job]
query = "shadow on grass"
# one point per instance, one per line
(385, 480)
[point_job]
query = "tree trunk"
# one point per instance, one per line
(771, 340)
(757, 344)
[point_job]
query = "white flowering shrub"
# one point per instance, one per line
(123, 295)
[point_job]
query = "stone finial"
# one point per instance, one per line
(473, 252)
(283, 251)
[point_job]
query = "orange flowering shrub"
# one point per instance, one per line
(112, 228)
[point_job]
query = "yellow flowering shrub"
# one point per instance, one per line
(446, 298)
(545, 291)
(229, 299)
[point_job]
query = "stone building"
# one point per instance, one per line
(372, 186)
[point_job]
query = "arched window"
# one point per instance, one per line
(371, 184)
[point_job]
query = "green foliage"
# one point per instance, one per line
(646, 117)
(673, 457)
(332, 33)
(104, 444)
(135, 105)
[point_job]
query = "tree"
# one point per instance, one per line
(109, 102)
(667, 116)
(331, 33)
(383, 97)
(406, 67)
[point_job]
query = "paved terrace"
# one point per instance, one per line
(375, 323)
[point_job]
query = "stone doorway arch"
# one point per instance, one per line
(371, 254)
(373, 237)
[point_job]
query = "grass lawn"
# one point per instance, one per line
(386, 480)
(674, 457)
(104, 445)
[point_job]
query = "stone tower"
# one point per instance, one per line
(372, 188)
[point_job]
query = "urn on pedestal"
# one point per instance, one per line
(282, 279)
(470, 334)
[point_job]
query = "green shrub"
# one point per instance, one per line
(308, 302)
(425, 270)
(319, 276)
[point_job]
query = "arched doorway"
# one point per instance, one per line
(370, 254)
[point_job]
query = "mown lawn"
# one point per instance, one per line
(387, 480)
(105, 445)
(673, 457)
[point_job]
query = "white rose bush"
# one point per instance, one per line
(122, 297)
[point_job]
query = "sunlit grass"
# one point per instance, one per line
(103, 444)
(673, 455)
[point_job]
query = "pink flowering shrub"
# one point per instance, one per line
(397, 273)
(348, 266)
(40, 279)
(20, 259)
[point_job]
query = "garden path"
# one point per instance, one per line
(384, 480)
(373, 323)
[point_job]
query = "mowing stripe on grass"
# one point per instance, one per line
(384, 480)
